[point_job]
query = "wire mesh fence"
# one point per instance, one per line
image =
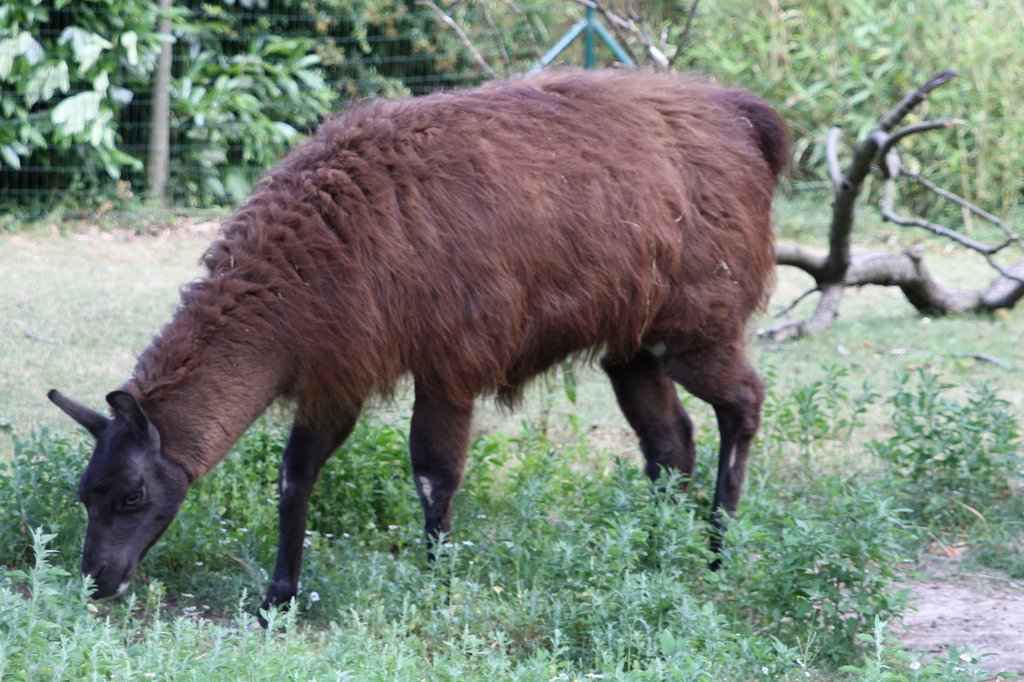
(247, 77)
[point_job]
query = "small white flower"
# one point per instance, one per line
(199, 563)
(916, 665)
(392, 526)
(314, 597)
(467, 543)
(509, 544)
(307, 543)
(481, 516)
(966, 657)
(764, 670)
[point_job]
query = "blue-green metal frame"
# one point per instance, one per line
(588, 27)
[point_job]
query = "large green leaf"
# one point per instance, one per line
(45, 81)
(86, 46)
(74, 113)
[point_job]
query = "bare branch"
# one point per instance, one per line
(828, 307)
(454, 25)
(514, 7)
(820, 319)
(497, 35)
(1005, 291)
(1014, 272)
(796, 256)
(986, 250)
(963, 203)
(985, 357)
(684, 39)
(888, 213)
(784, 331)
(796, 301)
(613, 19)
(914, 128)
(840, 269)
(835, 174)
(889, 121)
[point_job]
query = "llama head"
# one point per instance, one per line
(130, 490)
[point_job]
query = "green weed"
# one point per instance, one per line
(556, 568)
(952, 462)
(887, 661)
(799, 569)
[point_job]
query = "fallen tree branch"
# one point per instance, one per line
(838, 269)
(908, 272)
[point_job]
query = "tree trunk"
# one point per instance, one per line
(159, 129)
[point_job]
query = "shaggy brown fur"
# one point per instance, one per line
(470, 239)
(473, 239)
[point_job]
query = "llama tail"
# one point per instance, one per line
(771, 133)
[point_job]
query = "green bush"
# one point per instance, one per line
(584, 572)
(67, 72)
(38, 488)
(233, 116)
(887, 661)
(554, 564)
(952, 462)
(796, 567)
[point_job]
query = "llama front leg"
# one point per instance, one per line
(722, 377)
(307, 450)
(438, 439)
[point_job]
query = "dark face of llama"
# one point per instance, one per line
(130, 490)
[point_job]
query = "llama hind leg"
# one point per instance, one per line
(722, 377)
(649, 401)
(307, 450)
(438, 440)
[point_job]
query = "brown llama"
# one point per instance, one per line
(470, 239)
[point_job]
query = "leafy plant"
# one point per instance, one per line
(67, 72)
(951, 461)
(799, 570)
(814, 412)
(235, 115)
(38, 489)
(887, 661)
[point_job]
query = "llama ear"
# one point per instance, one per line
(93, 421)
(127, 408)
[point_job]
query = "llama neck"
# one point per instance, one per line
(205, 407)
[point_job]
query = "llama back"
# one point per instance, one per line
(474, 238)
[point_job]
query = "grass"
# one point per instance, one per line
(564, 565)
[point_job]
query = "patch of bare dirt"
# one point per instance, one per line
(122, 231)
(982, 609)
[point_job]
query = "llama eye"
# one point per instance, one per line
(132, 499)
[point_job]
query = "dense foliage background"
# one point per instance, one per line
(250, 76)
